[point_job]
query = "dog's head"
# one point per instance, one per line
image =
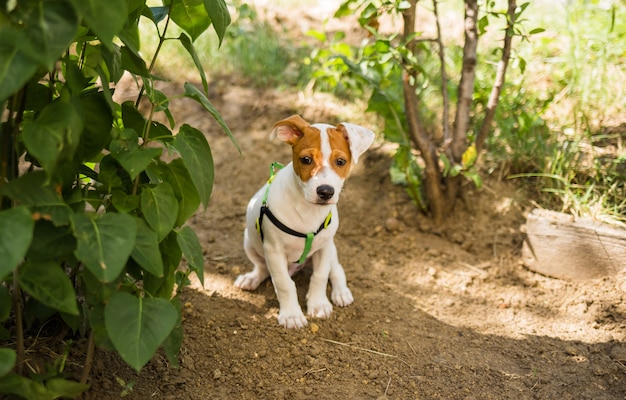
(322, 154)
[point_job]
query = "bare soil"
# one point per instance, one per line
(440, 312)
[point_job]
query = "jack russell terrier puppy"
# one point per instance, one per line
(294, 217)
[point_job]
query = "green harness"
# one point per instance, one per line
(308, 237)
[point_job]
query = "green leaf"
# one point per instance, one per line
(193, 93)
(23, 387)
(159, 13)
(104, 244)
(47, 282)
(146, 251)
(33, 190)
(50, 242)
(97, 133)
(160, 208)
(54, 135)
(105, 18)
(188, 45)
(125, 149)
(176, 174)
(192, 250)
(171, 256)
(7, 361)
(123, 202)
(49, 29)
(16, 234)
(137, 326)
(196, 154)
(16, 68)
(191, 16)
(133, 63)
(218, 12)
(62, 388)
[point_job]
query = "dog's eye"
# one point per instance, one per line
(340, 162)
(306, 160)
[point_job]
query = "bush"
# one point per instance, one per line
(92, 213)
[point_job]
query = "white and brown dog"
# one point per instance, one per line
(294, 217)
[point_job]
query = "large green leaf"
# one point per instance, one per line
(49, 29)
(46, 282)
(54, 135)
(50, 242)
(190, 15)
(7, 360)
(63, 388)
(133, 63)
(218, 11)
(188, 45)
(125, 149)
(176, 174)
(105, 243)
(23, 387)
(105, 18)
(16, 234)
(146, 252)
(97, 133)
(192, 92)
(33, 190)
(16, 68)
(160, 208)
(196, 154)
(171, 256)
(138, 326)
(192, 250)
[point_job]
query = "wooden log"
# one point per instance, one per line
(564, 247)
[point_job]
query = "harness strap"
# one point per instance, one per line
(308, 237)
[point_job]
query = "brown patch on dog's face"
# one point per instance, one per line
(340, 157)
(307, 154)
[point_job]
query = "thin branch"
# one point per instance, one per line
(359, 348)
(444, 79)
(503, 64)
(19, 324)
(466, 85)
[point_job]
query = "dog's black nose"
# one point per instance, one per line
(325, 192)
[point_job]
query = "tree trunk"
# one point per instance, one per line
(435, 192)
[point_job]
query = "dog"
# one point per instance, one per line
(294, 217)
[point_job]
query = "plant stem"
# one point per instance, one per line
(162, 40)
(88, 358)
(19, 328)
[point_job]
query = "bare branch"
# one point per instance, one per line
(466, 86)
(503, 64)
(444, 79)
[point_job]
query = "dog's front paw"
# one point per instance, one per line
(319, 309)
(342, 296)
(291, 320)
(249, 281)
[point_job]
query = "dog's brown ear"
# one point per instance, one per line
(290, 129)
(359, 138)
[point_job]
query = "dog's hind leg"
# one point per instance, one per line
(252, 279)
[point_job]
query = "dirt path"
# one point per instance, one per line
(446, 313)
